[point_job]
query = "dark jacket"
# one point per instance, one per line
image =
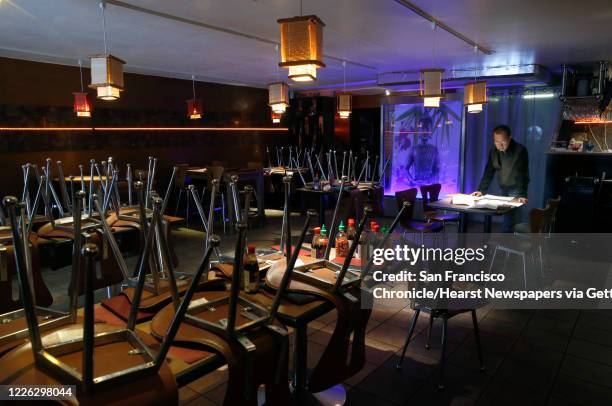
(513, 168)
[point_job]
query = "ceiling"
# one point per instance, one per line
(375, 36)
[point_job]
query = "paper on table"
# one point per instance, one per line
(462, 199)
(494, 204)
(484, 202)
(495, 197)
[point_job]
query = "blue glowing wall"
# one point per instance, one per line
(424, 145)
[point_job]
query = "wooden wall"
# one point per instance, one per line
(40, 95)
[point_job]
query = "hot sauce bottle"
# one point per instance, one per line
(342, 244)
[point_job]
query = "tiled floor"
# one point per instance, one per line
(532, 357)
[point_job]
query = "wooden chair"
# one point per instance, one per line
(407, 221)
(431, 193)
(526, 246)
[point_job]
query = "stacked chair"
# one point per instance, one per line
(204, 309)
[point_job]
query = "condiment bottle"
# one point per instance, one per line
(351, 233)
(323, 241)
(250, 273)
(315, 250)
(342, 244)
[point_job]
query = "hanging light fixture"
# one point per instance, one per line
(431, 87)
(82, 102)
(278, 97)
(475, 93)
(301, 46)
(194, 106)
(276, 117)
(106, 69)
(430, 83)
(344, 100)
(475, 96)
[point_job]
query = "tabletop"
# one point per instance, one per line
(445, 204)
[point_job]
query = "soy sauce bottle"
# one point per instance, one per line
(250, 273)
(315, 246)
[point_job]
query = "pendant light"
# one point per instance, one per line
(194, 106)
(82, 102)
(344, 100)
(430, 82)
(301, 40)
(276, 117)
(106, 69)
(475, 93)
(278, 95)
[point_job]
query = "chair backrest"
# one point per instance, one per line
(254, 165)
(554, 206)
(430, 193)
(408, 195)
(181, 175)
(543, 220)
(7, 279)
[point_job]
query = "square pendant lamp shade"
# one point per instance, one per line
(344, 105)
(278, 97)
(107, 76)
(194, 108)
(301, 47)
(475, 96)
(82, 104)
(431, 87)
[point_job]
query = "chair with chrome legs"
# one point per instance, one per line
(216, 173)
(444, 310)
(529, 245)
(431, 193)
(181, 182)
(407, 221)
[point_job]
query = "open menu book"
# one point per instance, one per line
(492, 202)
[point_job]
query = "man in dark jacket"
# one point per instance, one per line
(510, 160)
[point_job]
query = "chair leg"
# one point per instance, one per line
(443, 355)
(223, 211)
(188, 199)
(477, 336)
(178, 201)
(541, 260)
(415, 317)
(492, 260)
(429, 331)
(524, 269)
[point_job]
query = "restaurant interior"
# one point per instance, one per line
(216, 202)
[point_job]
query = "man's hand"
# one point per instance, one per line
(523, 200)
(477, 193)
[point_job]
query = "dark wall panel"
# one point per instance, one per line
(40, 95)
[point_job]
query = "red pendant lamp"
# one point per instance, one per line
(82, 101)
(194, 106)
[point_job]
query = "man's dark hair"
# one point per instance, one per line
(503, 129)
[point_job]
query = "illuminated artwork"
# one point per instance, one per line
(425, 146)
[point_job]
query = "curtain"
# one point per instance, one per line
(533, 115)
